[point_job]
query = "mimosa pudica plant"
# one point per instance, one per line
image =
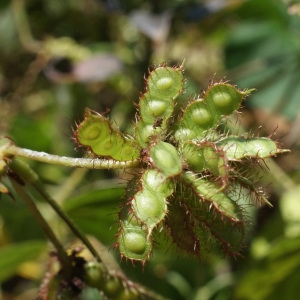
(188, 170)
(188, 181)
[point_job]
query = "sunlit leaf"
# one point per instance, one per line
(13, 255)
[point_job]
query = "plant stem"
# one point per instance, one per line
(29, 176)
(24, 171)
(44, 193)
(62, 255)
(90, 163)
(23, 28)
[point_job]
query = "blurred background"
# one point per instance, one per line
(58, 57)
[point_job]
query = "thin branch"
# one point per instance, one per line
(90, 163)
(24, 171)
(44, 193)
(23, 28)
(29, 176)
(62, 255)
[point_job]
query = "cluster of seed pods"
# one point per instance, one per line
(187, 170)
(111, 284)
(97, 133)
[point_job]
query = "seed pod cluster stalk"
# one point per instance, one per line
(112, 286)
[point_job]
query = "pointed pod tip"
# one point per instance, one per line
(247, 92)
(182, 64)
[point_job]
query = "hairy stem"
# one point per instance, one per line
(90, 163)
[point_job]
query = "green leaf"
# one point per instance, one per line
(95, 212)
(290, 211)
(12, 256)
(274, 277)
(102, 197)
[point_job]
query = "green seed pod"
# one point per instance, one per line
(215, 213)
(97, 133)
(149, 207)
(145, 133)
(127, 294)
(166, 158)
(181, 227)
(127, 217)
(206, 156)
(134, 243)
(112, 287)
(203, 115)
(198, 118)
(210, 194)
(200, 114)
(224, 99)
(157, 104)
(148, 196)
(215, 160)
(150, 108)
(237, 148)
(182, 134)
(94, 274)
(229, 235)
(157, 182)
(165, 82)
(145, 209)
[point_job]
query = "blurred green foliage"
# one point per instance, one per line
(44, 91)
